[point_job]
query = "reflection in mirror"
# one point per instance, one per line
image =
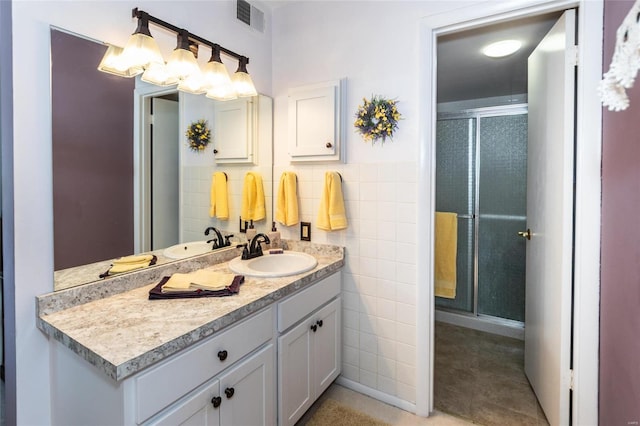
(124, 178)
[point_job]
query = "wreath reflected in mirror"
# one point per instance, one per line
(377, 119)
(198, 135)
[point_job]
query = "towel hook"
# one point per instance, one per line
(225, 176)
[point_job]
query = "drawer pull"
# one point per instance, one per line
(222, 355)
(216, 401)
(319, 323)
(229, 392)
(314, 328)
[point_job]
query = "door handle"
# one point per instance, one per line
(525, 234)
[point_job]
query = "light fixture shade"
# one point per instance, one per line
(222, 92)
(182, 64)
(112, 63)
(140, 51)
(502, 48)
(215, 74)
(242, 82)
(159, 75)
(193, 84)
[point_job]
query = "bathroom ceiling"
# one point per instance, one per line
(465, 73)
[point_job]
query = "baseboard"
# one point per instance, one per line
(376, 394)
(501, 327)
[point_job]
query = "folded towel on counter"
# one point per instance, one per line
(129, 264)
(331, 215)
(446, 254)
(287, 203)
(140, 258)
(219, 197)
(202, 279)
(253, 198)
(156, 292)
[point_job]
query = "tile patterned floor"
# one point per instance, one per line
(480, 377)
(379, 410)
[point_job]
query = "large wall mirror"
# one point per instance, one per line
(124, 178)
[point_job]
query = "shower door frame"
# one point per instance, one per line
(478, 114)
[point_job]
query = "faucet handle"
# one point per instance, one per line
(245, 251)
(227, 240)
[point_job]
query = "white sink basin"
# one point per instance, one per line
(274, 265)
(184, 250)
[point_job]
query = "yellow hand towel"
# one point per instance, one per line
(331, 215)
(202, 279)
(118, 268)
(253, 197)
(219, 196)
(140, 258)
(446, 252)
(287, 204)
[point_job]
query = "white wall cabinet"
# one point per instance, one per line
(309, 353)
(225, 400)
(234, 131)
(316, 123)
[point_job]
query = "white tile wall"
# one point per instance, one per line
(379, 279)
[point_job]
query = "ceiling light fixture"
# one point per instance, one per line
(502, 48)
(141, 55)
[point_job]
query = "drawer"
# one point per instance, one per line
(170, 380)
(303, 303)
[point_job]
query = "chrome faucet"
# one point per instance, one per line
(219, 241)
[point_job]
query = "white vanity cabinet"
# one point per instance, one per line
(237, 365)
(309, 348)
(242, 396)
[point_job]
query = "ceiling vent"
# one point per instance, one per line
(250, 15)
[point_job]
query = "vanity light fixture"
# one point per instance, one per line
(215, 77)
(141, 55)
(141, 48)
(242, 81)
(113, 63)
(502, 48)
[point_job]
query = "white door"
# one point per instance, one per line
(165, 147)
(550, 217)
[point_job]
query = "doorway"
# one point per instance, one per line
(585, 339)
(157, 156)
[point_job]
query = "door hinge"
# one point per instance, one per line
(571, 379)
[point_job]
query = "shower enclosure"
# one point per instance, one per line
(481, 174)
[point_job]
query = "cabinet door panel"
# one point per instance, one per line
(197, 410)
(233, 134)
(315, 128)
(328, 351)
(295, 373)
(248, 391)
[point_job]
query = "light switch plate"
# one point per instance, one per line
(305, 231)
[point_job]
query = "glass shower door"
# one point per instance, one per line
(455, 180)
(502, 197)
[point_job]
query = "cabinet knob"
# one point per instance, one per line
(215, 151)
(222, 355)
(329, 145)
(229, 392)
(216, 401)
(314, 328)
(319, 322)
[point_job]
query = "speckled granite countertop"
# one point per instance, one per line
(123, 333)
